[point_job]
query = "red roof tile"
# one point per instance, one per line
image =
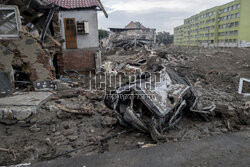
(72, 4)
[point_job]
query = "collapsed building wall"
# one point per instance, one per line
(25, 54)
(22, 57)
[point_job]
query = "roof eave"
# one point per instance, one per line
(103, 9)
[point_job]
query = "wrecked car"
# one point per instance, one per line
(155, 104)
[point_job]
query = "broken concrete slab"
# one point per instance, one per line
(21, 107)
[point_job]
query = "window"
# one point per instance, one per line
(234, 7)
(235, 40)
(232, 16)
(9, 22)
(236, 32)
(237, 15)
(82, 27)
(236, 24)
(225, 10)
(238, 6)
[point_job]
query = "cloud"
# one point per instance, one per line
(163, 15)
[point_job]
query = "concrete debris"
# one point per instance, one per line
(109, 121)
(55, 103)
(21, 107)
(171, 109)
(247, 105)
(34, 128)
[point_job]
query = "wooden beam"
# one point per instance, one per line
(53, 40)
(47, 22)
(102, 8)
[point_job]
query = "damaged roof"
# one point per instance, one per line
(73, 4)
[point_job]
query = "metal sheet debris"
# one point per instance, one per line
(155, 104)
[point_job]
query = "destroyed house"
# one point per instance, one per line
(135, 25)
(133, 35)
(23, 61)
(79, 31)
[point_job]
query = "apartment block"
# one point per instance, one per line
(223, 26)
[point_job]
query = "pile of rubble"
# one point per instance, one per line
(132, 36)
(214, 84)
(138, 97)
(77, 120)
(26, 56)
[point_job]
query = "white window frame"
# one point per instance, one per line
(18, 21)
(242, 80)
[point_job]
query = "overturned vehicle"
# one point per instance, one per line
(155, 103)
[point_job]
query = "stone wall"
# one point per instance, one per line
(25, 50)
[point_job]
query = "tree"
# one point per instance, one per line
(103, 34)
(165, 38)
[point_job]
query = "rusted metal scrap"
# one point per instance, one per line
(157, 107)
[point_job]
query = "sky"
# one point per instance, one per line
(163, 15)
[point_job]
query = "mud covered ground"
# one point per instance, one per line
(214, 74)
